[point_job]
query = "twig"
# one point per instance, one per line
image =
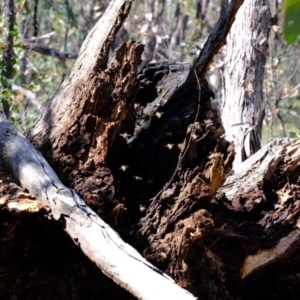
(41, 37)
(47, 51)
(277, 111)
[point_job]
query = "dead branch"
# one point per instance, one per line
(28, 45)
(217, 37)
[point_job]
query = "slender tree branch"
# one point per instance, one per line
(40, 37)
(47, 51)
(217, 37)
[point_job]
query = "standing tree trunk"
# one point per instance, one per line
(246, 48)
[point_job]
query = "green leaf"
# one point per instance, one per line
(293, 135)
(291, 28)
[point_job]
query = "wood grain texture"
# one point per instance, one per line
(246, 52)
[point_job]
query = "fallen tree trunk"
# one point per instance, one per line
(97, 240)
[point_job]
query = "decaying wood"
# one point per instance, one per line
(164, 143)
(282, 251)
(255, 171)
(96, 239)
(88, 111)
(260, 202)
(172, 151)
(75, 135)
(15, 199)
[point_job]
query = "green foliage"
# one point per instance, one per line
(6, 83)
(292, 20)
(293, 135)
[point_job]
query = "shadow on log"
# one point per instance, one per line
(174, 159)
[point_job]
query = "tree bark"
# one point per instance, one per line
(246, 50)
(217, 37)
(260, 202)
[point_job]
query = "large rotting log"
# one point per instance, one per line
(95, 238)
(176, 158)
(164, 153)
(172, 154)
(160, 144)
(75, 134)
